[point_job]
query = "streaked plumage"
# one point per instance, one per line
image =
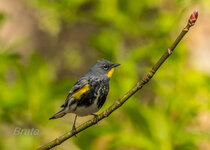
(89, 93)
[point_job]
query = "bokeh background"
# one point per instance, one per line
(46, 45)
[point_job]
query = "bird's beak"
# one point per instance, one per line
(115, 65)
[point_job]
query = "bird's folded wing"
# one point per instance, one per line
(79, 88)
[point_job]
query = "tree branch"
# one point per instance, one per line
(130, 93)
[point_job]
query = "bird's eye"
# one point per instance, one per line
(105, 67)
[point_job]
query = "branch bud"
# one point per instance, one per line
(193, 17)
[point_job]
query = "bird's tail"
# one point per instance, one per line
(59, 114)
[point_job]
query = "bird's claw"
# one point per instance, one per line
(96, 117)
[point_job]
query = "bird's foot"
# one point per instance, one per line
(74, 130)
(96, 117)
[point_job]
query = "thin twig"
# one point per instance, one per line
(130, 93)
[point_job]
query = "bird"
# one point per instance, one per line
(89, 93)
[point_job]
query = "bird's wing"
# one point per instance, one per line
(79, 88)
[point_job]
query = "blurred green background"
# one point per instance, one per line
(46, 45)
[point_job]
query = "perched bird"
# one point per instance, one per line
(89, 93)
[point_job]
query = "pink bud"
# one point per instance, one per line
(193, 17)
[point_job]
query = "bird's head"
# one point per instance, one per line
(104, 68)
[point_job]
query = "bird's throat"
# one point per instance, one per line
(109, 74)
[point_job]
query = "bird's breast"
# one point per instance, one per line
(86, 110)
(93, 101)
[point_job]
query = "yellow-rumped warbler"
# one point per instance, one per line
(89, 93)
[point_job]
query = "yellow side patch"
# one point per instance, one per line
(78, 93)
(109, 74)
